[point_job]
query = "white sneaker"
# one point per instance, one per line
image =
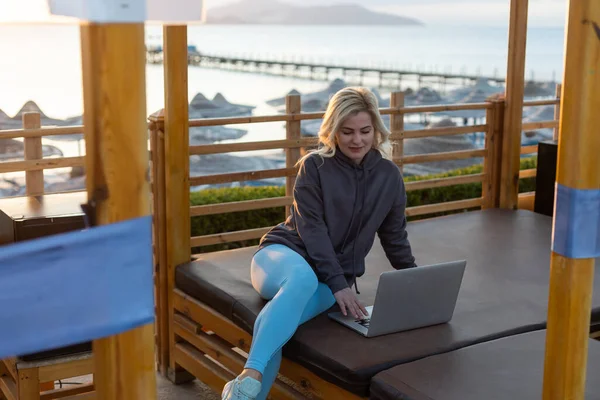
(246, 389)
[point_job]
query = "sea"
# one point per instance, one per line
(42, 63)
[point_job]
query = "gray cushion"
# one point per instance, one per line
(504, 292)
(507, 368)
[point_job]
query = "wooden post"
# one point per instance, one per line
(515, 87)
(114, 90)
(177, 171)
(571, 279)
(397, 128)
(34, 180)
(157, 143)
(557, 109)
(293, 105)
(493, 162)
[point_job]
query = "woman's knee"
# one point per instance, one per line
(278, 265)
(303, 277)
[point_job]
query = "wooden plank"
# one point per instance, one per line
(527, 173)
(293, 106)
(243, 120)
(236, 336)
(313, 383)
(8, 388)
(83, 396)
(443, 207)
(443, 156)
(526, 201)
(557, 110)
(208, 317)
(571, 279)
(235, 206)
(67, 392)
(160, 223)
(241, 176)
(443, 107)
(41, 132)
(10, 364)
(197, 364)
(529, 149)
(228, 237)
(221, 351)
(442, 182)
(117, 180)
(252, 146)
(36, 165)
(454, 130)
(531, 126)
(515, 86)
(28, 384)
(492, 163)
(177, 167)
(537, 103)
(318, 115)
(397, 129)
(34, 180)
(54, 372)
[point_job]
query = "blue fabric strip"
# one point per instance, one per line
(577, 223)
(75, 287)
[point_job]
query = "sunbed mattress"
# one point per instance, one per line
(507, 368)
(504, 292)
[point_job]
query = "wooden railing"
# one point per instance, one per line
(34, 163)
(526, 200)
(294, 145)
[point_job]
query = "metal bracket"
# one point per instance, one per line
(99, 195)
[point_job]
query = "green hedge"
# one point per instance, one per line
(229, 222)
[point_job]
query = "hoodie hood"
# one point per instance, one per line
(369, 161)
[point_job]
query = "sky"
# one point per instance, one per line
(431, 12)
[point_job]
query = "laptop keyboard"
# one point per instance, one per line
(364, 322)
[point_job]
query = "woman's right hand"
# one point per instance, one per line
(349, 304)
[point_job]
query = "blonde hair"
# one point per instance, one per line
(346, 103)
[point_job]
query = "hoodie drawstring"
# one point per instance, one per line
(353, 212)
(362, 210)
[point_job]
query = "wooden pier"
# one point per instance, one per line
(359, 74)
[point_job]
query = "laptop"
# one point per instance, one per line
(410, 298)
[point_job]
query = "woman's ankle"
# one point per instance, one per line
(252, 373)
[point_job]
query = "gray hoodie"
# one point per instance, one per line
(338, 208)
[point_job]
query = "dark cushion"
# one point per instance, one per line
(507, 368)
(60, 352)
(504, 292)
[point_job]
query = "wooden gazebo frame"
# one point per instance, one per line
(570, 279)
(118, 188)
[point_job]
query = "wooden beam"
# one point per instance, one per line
(8, 388)
(117, 181)
(397, 129)
(571, 276)
(28, 384)
(160, 237)
(34, 180)
(515, 88)
(68, 369)
(527, 201)
(67, 392)
(177, 166)
(492, 165)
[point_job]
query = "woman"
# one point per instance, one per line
(346, 192)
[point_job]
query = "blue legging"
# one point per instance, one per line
(282, 276)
